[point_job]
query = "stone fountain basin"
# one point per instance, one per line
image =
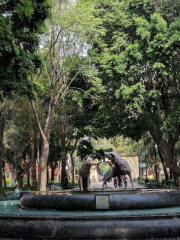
(90, 227)
(101, 226)
(106, 201)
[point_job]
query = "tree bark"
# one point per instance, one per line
(166, 149)
(38, 162)
(32, 174)
(2, 126)
(73, 168)
(11, 173)
(53, 167)
(63, 170)
(4, 176)
(39, 176)
(45, 134)
(43, 165)
(164, 167)
(63, 125)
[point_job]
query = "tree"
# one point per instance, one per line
(65, 42)
(20, 141)
(138, 60)
(21, 22)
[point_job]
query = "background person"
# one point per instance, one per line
(125, 181)
(65, 181)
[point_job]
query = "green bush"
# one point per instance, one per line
(8, 181)
(9, 189)
(25, 180)
(152, 180)
(163, 181)
(143, 181)
(76, 182)
(56, 182)
(34, 188)
(2, 196)
(24, 189)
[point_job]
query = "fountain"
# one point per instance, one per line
(96, 214)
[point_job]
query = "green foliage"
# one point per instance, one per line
(8, 180)
(21, 23)
(24, 8)
(21, 132)
(138, 63)
(143, 181)
(104, 168)
(126, 145)
(99, 153)
(133, 97)
(85, 148)
(171, 122)
(8, 189)
(2, 196)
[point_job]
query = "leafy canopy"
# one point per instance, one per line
(138, 62)
(21, 22)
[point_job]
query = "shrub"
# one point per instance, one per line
(152, 180)
(8, 181)
(163, 181)
(2, 196)
(56, 182)
(142, 181)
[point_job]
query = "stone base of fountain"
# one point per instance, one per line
(102, 226)
(105, 200)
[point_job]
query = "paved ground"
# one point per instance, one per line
(111, 185)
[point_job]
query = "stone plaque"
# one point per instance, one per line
(102, 202)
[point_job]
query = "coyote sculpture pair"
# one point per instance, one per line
(121, 167)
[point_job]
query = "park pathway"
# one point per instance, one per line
(111, 185)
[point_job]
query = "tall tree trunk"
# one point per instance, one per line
(39, 176)
(47, 174)
(59, 172)
(166, 149)
(63, 170)
(4, 175)
(32, 175)
(45, 134)
(164, 166)
(53, 167)
(73, 168)
(38, 162)
(28, 179)
(20, 174)
(43, 164)
(11, 173)
(33, 172)
(73, 161)
(2, 126)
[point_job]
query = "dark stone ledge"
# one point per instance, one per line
(59, 202)
(144, 200)
(106, 202)
(95, 227)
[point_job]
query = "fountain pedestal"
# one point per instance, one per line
(82, 224)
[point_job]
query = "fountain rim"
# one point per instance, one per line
(93, 227)
(32, 217)
(95, 202)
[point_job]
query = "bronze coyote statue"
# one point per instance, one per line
(84, 172)
(121, 164)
